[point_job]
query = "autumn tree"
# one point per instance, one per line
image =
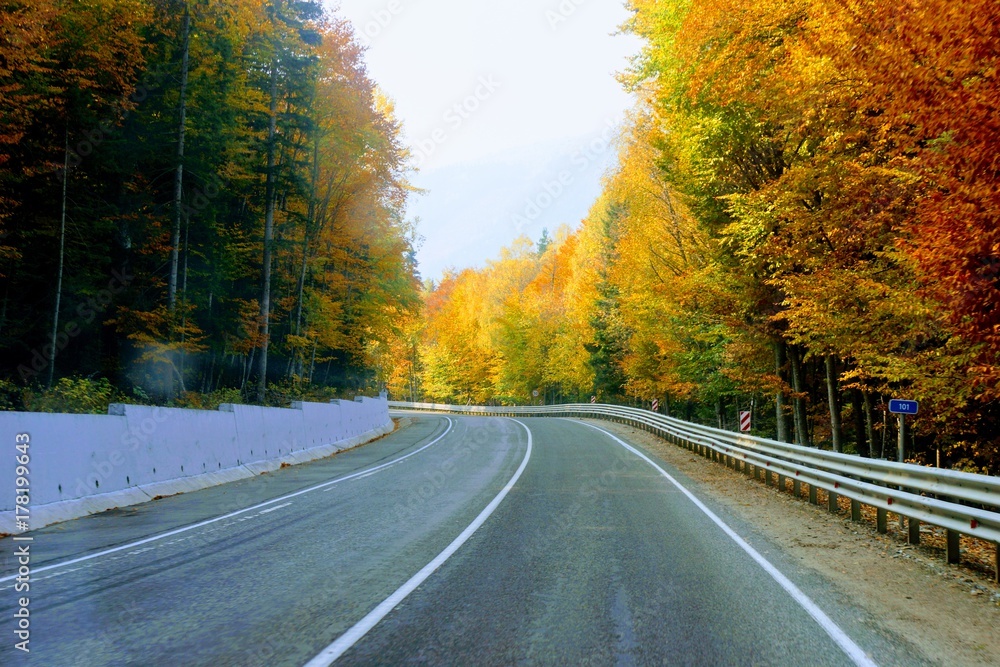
(223, 139)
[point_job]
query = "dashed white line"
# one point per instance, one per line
(361, 628)
(207, 522)
(273, 508)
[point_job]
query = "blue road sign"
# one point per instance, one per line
(903, 407)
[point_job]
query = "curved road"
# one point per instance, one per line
(454, 541)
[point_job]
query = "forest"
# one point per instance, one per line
(803, 222)
(201, 201)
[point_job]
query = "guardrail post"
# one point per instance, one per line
(781, 482)
(954, 551)
(881, 520)
(797, 487)
(768, 480)
(813, 498)
(914, 528)
(996, 562)
(855, 510)
(831, 502)
(747, 469)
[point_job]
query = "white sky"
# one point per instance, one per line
(533, 81)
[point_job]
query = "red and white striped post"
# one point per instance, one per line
(745, 421)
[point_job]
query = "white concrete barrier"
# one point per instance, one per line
(267, 433)
(82, 464)
(179, 443)
(320, 420)
(71, 456)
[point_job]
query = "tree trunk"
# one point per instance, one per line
(3, 311)
(270, 192)
(780, 359)
(885, 433)
(833, 398)
(312, 362)
(310, 222)
(857, 408)
(866, 398)
(300, 289)
(184, 289)
(179, 172)
(799, 403)
(718, 412)
(62, 260)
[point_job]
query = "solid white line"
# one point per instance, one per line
(200, 524)
(361, 628)
(853, 651)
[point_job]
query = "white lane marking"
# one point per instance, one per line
(847, 645)
(273, 508)
(361, 628)
(207, 522)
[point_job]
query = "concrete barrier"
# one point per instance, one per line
(87, 452)
(322, 419)
(267, 433)
(82, 464)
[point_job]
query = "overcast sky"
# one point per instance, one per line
(509, 108)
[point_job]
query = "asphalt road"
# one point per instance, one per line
(454, 541)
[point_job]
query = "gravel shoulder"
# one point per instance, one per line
(951, 613)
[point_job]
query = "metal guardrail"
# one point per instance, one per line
(959, 502)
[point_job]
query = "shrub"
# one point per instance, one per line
(211, 401)
(10, 396)
(72, 395)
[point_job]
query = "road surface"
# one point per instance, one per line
(454, 541)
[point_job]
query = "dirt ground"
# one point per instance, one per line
(950, 612)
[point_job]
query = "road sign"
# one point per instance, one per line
(593, 399)
(535, 393)
(897, 407)
(745, 421)
(656, 404)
